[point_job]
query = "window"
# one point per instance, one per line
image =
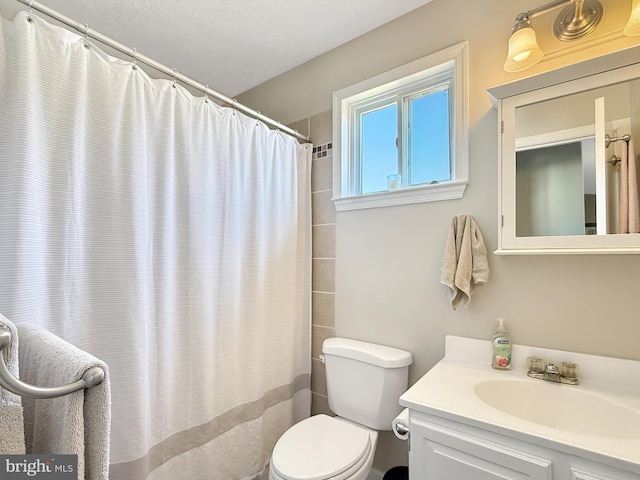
(407, 134)
(401, 137)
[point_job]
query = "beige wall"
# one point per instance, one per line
(387, 263)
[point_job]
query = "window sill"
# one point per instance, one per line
(404, 196)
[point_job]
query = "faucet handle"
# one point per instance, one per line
(535, 364)
(569, 370)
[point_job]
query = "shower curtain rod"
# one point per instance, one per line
(137, 57)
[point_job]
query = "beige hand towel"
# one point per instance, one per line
(628, 211)
(11, 413)
(78, 423)
(464, 264)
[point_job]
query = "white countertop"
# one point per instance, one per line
(447, 390)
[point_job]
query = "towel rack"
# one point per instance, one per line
(90, 378)
(609, 140)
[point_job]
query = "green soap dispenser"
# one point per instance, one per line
(501, 348)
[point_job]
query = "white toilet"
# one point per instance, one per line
(364, 383)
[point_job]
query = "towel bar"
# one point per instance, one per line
(90, 378)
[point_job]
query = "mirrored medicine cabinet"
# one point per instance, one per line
(562, 135)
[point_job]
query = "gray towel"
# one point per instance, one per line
(78, 423)
(11, 414)
(464, 264)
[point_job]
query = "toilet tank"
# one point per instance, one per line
(365, 380)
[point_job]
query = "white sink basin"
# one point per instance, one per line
(562, 407)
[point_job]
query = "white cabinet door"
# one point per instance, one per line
(581, 470)
(439, 452)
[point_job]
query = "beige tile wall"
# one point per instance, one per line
(323, 219)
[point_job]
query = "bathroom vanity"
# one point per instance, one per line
(468, 421)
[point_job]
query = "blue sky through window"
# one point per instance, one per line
(430, 138)
(428, 157)
(379, 151)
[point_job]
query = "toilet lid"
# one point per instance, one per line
(320, 447)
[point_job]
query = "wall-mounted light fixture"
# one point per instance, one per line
(633, 25)
(577, 19)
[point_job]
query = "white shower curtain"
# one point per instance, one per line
(166, 235)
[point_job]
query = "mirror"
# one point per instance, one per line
(556, 176)
(561, 153)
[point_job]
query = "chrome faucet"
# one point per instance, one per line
(551, 373)
(567, 373)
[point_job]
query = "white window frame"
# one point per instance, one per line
(416, 73)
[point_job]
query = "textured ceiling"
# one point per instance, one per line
(233, 45)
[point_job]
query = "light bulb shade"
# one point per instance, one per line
(524, 51)
(633, 25)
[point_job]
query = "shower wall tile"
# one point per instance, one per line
(321, 174)
(323, 219)
(323, 240)
(323, 210)
(323, 275)
(319, 335)
(322, 151)
(323, 308)
(318, 378)
(321, 128)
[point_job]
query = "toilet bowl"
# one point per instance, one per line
(364, 384)
(323, 447)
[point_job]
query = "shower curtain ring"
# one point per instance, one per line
(29, 18)
(134, 61)
(206, 94)
(86, 36)
(234, 105)
(175, 72)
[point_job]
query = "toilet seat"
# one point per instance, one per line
(319, 448)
